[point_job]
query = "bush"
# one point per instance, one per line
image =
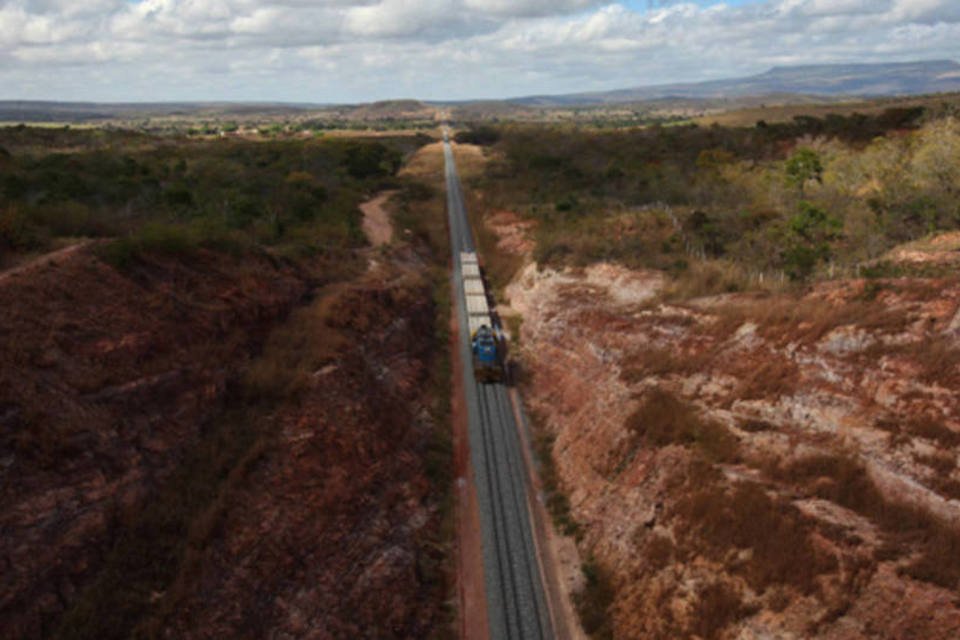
(17, 233)
(662, 420)
(481, 135)
(165, 239)
(802, 167)
(557, 502)
(718, 605)
(594, 600)
(717, 520)
(227, 193)
(71, 218)
(909, 528)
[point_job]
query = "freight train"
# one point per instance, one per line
(486, 339)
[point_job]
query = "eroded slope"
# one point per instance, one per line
(753, 466)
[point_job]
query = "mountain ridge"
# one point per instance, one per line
(831, 80)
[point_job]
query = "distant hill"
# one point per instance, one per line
(91, 112)
(829, 80)
(49, 111)
(811, 84)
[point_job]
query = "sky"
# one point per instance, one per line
(342, 51)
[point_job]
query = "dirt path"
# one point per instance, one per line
(376, 219)
(44, 260)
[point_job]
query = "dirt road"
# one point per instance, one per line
(376, 219)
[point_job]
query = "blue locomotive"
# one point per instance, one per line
(487, 355)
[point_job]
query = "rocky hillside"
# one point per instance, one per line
(334, 531)
(182, 456)
(106, 382)
(753, 465)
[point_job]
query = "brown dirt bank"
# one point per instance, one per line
(106, 380)
(744, 467)
(182, 456)
(334, 531)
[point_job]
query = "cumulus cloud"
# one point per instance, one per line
(347, 50)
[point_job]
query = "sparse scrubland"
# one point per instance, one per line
(175, 195)
(742, 348)
(725, 206)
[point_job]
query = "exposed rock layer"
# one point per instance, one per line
(847, 376)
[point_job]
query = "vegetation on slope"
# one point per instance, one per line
(174, 195)
(728, 207)
(151, 200)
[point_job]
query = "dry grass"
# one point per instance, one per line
(788, 319)
(720, 520)
(942, 463)
(294, 352)
(928, 427)
(933, 429)
(938, 359)
(663, 361)
(658, 553)
(663, 419)
(909, 528)
(709, 277)
(771, 379)
(470, 160)
(499, 266)
(718, 606)
(426, 164)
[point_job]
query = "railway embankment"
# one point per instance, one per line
(770, 464)
(210, 445)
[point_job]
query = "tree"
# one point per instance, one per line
(809, 235)
(367, 160)
(802, 167)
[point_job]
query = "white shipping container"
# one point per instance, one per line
(468, 257)
(473, 287)
(475, 322)
(470, 270)
(477, 305)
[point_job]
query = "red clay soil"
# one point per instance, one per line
(334, 533)
(105, 380)
(820, 420)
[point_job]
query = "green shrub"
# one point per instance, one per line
(17, 232)
(594, 600)
(479, 135)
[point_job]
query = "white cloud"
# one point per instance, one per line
(342, 50)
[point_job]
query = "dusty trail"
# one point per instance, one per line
(44, 260)
(376, 219)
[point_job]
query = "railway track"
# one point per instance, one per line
(516, 603)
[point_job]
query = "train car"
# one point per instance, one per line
(486, 342)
